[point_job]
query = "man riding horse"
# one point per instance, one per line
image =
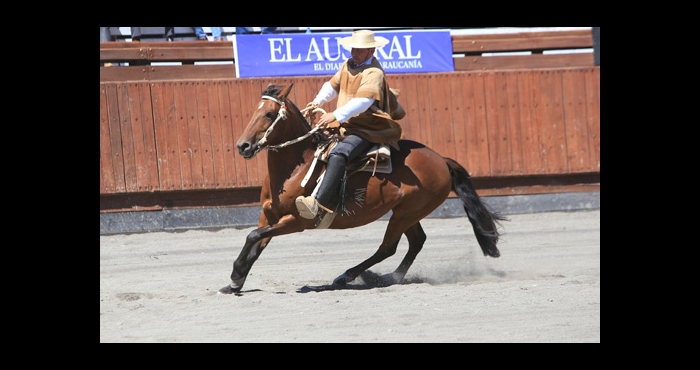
(366, 110)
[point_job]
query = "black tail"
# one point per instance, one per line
(482, 219)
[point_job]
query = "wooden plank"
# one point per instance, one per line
(194, 146)
(128, 155)
(559, 128)
(107, 185)
(166, 51)
(409, 100)
(134, 106)
(155, 45)
(192, 72)
(205, 134)
(552, 116)
(173, 129)
(218, 169)
(522, 41)
(525, 34)
(304, 91)
(593, 115)
(442, 133)
(469, 63)
(260, 160)
(529, 136)
(577, 141)
(143, 136)
(249, 95)
(122, 54)
(514, 130)
(459, 120)
(183, 140)
(238, 124)
(167, 73)
(149, 138)
(222, 52)
(529, 129)
(173, 120)
(228, 145)
(121, 74)
(423, 110)
(499, 158)
(160, 126)
(477, 129)
(502, 133)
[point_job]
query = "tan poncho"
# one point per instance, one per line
(367, 81)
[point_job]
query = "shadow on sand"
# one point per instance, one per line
(366, 280)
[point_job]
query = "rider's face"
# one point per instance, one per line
(360, 56)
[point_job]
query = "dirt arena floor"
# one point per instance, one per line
(162, 287)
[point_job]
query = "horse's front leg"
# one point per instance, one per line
(255, 243)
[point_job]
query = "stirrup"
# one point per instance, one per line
(306, 211)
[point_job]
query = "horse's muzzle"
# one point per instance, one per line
(246, 149)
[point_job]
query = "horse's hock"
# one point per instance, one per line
(167, 133)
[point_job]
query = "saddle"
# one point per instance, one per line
(376, 160)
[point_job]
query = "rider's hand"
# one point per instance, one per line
(326, 118)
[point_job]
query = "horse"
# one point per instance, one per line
(420, 180)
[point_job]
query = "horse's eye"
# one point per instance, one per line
(270, 115)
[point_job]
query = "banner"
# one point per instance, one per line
(303, 54)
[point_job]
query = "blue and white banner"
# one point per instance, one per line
(303, 54)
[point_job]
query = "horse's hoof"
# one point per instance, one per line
(229, 290)
(343, 280)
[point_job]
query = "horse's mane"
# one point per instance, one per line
(272, 90)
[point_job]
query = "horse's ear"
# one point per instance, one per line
(285, 91)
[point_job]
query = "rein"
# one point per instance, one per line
(282, 114)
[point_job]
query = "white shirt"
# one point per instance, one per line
(353, 107)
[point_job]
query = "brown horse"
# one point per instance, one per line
(419, 182)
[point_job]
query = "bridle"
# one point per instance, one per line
(282, 115)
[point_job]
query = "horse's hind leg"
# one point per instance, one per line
(416, 237)
(386, 249)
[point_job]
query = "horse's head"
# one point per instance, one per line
(268, 114)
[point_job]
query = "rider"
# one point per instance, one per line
(364, 110)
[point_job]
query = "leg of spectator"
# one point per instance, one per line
(135, 33)
(268, 29)
(105, 35)
(169, 34)
(216, 33)
(241, 30)
(199, 32)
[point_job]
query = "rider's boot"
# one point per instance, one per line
(308, 207)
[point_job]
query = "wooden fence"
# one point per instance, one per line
(169, 142)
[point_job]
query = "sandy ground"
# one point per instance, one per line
(545, 287)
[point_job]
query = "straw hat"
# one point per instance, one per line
(363, 39)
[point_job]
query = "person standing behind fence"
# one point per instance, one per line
(216, 33)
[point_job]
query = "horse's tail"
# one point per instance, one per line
(482, 219)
